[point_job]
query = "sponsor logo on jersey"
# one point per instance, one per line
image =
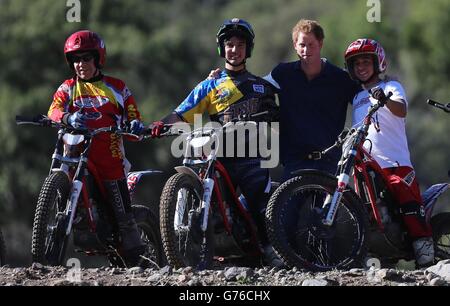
(362, 102)
(90, 101)
(409, 178)
(258, 88)
(222, 93)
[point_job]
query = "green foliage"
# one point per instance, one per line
(162, 49)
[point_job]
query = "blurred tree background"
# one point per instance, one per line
(163, 48)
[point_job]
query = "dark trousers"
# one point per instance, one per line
(253, 181)
(290, 167)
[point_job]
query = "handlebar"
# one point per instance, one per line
(445, 108)
(41, 120)
(376, 106)
(168, 130)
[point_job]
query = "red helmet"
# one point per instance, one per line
(86, 41)
(365, 46)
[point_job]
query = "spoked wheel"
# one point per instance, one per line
(180, 217)
(148, 225)
(49, 241)
(2, 250)
(294, 224)
(441, 235)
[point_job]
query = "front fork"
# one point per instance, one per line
(77, 186)
(333, 202)
(208, 187)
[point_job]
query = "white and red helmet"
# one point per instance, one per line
(365, 46)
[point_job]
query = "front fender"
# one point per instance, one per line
(324, 173)
(188, 171)
(312, 171)
(66, 172)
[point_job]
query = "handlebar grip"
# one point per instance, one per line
(431, 102)
(165, 129)
(445, 108)
(36, 120)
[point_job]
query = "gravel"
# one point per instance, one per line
(39, 275)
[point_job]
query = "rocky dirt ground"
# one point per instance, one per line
(39, 275)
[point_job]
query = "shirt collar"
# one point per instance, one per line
(325, 67)
(92, 80)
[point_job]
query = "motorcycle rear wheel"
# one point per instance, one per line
(148, 225)
(294, 224)
(440, 225)
(183, 245)
(49, 240)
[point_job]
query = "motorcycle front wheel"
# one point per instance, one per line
(49, 241)
(2, 250)
(180, 223)
(294, 223)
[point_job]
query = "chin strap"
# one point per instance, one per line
(236, 65)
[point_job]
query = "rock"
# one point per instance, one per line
(437, 281)
(187, 270)
(441, 269)
(393, 275)
(135, 270)
(194, 282)
(430, 276)
(314, 282)
(406, 265)
(37, 266)
(231, 273)
(154, 278)
(166, 270)
(95, 270)
(246, 274)
(183, 278)
(373, 276)
(354, 272)
(116, 271)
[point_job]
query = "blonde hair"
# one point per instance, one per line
(307, 26)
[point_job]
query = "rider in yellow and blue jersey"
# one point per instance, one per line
(236, 93)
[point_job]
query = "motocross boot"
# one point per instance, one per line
(132, 244)
(424, 251)
(269, 256)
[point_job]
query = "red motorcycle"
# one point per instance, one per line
(73, 203)
(318, 222)
(202, 215)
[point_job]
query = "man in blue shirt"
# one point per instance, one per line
(313, 96)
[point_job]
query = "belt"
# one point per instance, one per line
(314, 155)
